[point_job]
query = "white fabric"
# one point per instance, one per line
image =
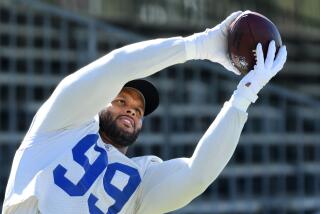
(174, 183)
(212, 44)
(264, 69)
(53, 170)
(28, 206)
(242, 98)
(255, 80)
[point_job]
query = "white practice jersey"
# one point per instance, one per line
(62, 166)
(73, 171)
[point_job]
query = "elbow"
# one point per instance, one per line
(198, 183)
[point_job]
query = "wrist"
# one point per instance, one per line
(196, 45)
(242, 97)
(190, 46)
(240, 103)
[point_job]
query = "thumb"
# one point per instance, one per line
(227, 22)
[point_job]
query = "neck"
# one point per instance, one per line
(106, 140)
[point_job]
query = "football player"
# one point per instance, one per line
(72, 159)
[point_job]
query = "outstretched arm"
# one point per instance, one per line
(173, 184)
(84, 93)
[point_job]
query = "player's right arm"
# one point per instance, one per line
(81, 95)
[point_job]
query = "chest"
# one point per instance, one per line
(90, 178)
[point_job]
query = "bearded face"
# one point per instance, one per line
(115, 132)
(121, 120)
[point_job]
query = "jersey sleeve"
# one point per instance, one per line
(172, 184)
(81, 95)
(29, 206)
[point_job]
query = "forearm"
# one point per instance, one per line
(217, 145)
(174, 183)
(219, 142)
(82, 94)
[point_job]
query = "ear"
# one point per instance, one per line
(141, 121)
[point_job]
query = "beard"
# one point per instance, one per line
(117, 135)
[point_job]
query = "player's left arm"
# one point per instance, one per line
(173, 184)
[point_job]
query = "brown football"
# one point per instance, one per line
(245, 32)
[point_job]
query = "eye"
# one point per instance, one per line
(121, 102)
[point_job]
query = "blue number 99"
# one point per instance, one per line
(92, 172)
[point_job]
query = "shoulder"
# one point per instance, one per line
(63, 137)
(147, 159)
(144, 162)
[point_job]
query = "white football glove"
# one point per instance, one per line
(263, 71)
(212, 44)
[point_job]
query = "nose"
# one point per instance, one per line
(131, 112)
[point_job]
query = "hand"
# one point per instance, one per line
(212, 44)
(262, 73)
(264, 70)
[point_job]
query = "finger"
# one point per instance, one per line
(227, 22)
(280, 59)
(260, 58)
(232, 17)
(270, 55)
